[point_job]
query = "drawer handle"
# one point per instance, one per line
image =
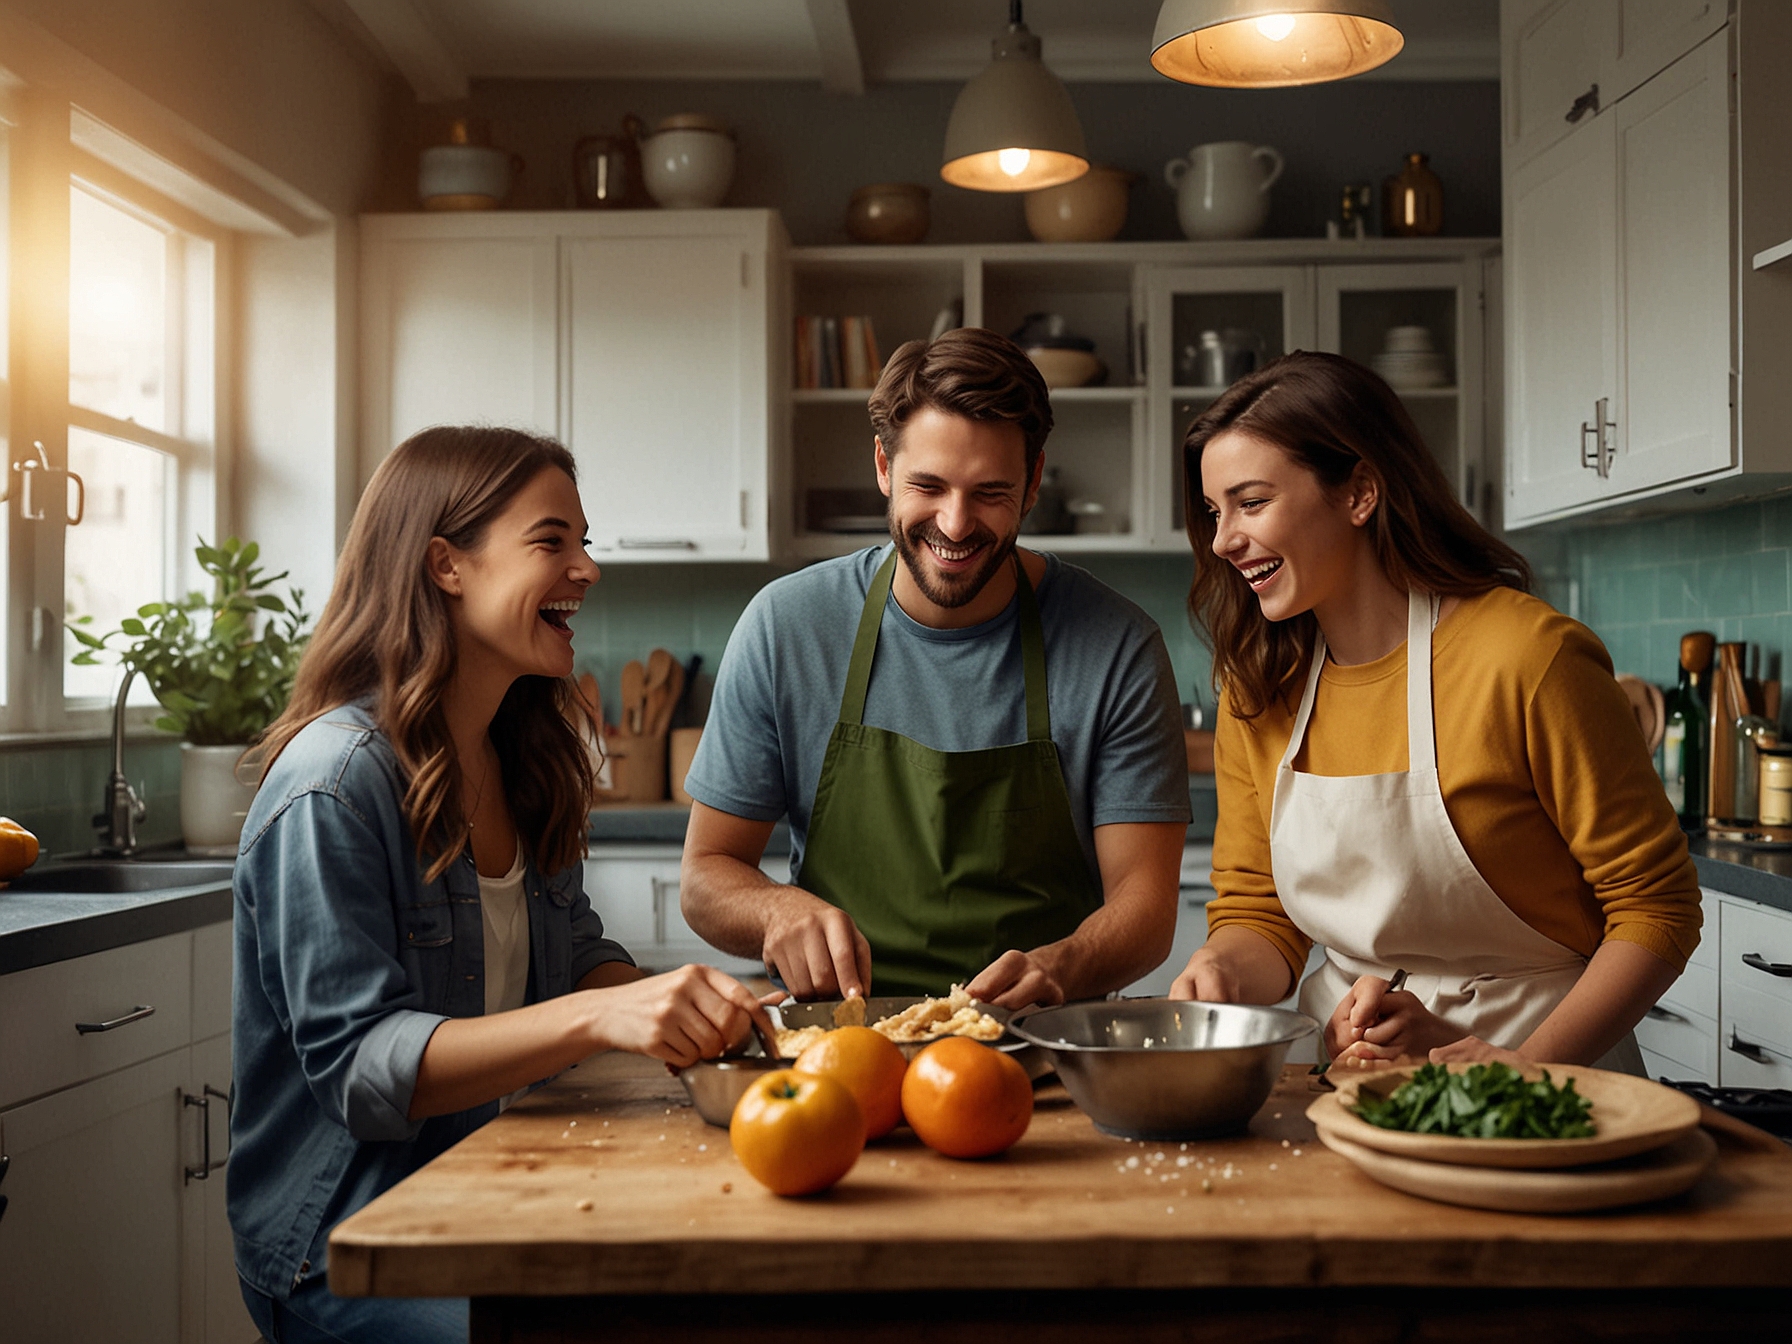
(136, 1014)
(203, 1172)
(655, 544)
(1760, 963)
(1657, 1013)
(1738, 1046)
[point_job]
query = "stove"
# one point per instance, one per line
(1768, 1108)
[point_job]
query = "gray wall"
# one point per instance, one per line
(802, 151)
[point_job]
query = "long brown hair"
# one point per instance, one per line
(1331, 415)
(385, 635)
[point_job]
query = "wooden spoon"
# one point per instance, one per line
(634, 682)
(674, 692)
(659, 674)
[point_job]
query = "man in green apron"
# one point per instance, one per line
(979, 748)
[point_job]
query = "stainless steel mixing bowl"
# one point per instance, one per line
(714, 1085)
(1162, 1068)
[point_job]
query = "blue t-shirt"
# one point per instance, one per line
(1116, 718)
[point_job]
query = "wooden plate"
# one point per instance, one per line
(1657, 1174)
(1630, 1115)
(1649, 706)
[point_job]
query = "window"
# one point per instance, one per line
(120, 385)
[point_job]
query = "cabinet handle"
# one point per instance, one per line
(1599, 458)
(1659, 1014)
(5, 1166)
(1587, 102)
(203, 1172)
(136, 1014)
(661, 887)
(1760, 963)
(3, 1203)
(655, 544)
(1747, 1050)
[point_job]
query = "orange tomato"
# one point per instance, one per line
(966, 1099)
(18, 849)
(797, 1133)
(869, 1066)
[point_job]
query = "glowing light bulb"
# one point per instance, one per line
(1276, 26)
(1014, 161)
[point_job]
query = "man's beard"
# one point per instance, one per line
(949, 590)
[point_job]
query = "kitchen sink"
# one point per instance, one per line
(102, 878)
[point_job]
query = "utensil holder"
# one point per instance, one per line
(683, 747)
(637, 765)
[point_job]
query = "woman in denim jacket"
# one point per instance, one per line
(413, 943)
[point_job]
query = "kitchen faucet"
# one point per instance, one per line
(121, 809)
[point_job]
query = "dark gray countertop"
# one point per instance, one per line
(1763, 875)
(37, 928)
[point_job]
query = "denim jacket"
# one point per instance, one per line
(346, 962)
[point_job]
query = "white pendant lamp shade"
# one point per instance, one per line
(1013, 127)
(1272, 44)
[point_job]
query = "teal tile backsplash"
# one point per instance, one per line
(1639, 585)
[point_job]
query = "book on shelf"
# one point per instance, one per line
(837, 352)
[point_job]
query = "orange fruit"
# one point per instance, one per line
(18, 849)
(870, 1066)
(796, 1133)
(966, 1099)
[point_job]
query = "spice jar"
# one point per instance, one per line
(1774, 803)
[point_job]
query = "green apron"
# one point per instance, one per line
(945, 859)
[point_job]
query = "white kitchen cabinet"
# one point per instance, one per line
(1755, 995)
(635, 891)
(1633, 318)
(641, 340)
(110, 1231)
(1117, 446)
(1679, 1034)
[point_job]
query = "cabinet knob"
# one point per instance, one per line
(1587, 102)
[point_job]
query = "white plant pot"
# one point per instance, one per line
(214, 798)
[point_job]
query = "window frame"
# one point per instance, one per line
(37, 194)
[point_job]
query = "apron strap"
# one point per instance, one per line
(864, 644)
(1421, 732)
(871, 619)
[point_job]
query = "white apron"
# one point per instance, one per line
(1370, 867)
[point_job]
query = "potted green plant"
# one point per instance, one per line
(221, 666)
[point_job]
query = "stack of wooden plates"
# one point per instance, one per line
(1647, 1146)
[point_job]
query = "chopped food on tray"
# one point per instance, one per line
(1485, 1101)
(958, 1014)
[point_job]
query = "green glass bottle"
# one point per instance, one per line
(1686, 747)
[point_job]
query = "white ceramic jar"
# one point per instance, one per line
(1222, 189)
(688, 163)
(214, 798)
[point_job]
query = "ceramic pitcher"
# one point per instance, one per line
(1222, 189)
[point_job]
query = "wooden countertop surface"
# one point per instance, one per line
(606, 1182)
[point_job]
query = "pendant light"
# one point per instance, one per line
(1013, 127)
(1272, 44)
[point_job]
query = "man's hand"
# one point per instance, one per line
(815, 948)
(1017, 980)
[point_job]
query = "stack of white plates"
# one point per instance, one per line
(1411, 361)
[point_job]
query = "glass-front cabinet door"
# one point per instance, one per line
(1419, 327)
(1206, 327)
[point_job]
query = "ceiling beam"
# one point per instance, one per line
(841, 69)
(404, 32)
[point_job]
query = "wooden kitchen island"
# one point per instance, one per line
(602, 1207)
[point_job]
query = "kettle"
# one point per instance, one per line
(606, 169)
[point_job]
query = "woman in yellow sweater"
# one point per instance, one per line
(1419, 765)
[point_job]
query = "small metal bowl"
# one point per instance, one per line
(714, 1085)
(1165, 1069)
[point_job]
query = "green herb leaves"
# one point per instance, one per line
(1485, 1101)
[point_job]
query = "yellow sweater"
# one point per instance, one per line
(1544, 776)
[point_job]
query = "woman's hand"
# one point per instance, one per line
(1474, 1050)
(1371, 1026)
(1234, 966)
(693, 1013)
(1209, 977)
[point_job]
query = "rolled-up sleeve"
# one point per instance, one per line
(329, 967)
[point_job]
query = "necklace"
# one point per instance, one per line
(479, 793)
